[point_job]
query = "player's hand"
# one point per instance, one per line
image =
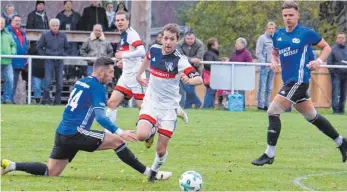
(275, 67)
(184, 78)
(128, 135)
(119, 54)
(314, 65)
(119, 64)
(142, 81)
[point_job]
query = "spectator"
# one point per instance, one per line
(193, 48)
(8, 13)
(96, 46)
(110, 14)
(69, 20)
(158, 39)
(93, 15)
(212, 54)
(338, 76)
(37, 19)
(38, 74)
(20, 39)
(241, 54)
(266, 75)
(53, 43)
(8, 48)
(121, 7)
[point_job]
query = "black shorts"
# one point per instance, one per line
(294, 92)
(67, 146)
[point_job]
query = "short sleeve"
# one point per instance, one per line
(312, 37)
(274, 40)
(135, 40)
(185, 67)
(98, 97)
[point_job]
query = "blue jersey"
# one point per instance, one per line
(87, 94)
(295, 52)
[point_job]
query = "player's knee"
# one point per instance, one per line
(113, 103)
(275, 109)
(310, 115)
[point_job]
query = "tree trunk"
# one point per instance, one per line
(141, 19)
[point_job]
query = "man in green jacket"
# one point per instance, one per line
(8, 47)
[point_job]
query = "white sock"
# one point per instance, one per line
(270, 151)
(159, 161)
(12, 166)
(147, 172)
(339, 140)
(112, 114)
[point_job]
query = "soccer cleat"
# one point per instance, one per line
(163, 175)
(182, 114)
(262, 160)
(6, 166)
(152, 176)
(343, 149)
(150, 140)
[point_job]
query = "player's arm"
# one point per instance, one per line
(326, 50)
(190, 75)
(138, 52)
(142, 69)
(275, 60)
(105, 122)
(313, 38)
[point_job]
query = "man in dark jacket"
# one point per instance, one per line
(37, 19)
(53, 43)
(338, 76)
(212, 54)
(93, 15)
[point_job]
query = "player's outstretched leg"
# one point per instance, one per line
(113, 103)
(127, 156)
(160, 157)
(182, 114)
(307, 109)
(276, 108)
(53, 168)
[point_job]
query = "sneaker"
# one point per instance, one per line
(343, 149)
(6, 166)
(163, 175)
(262, 160)
(182, 114)
(150, 140)
(152, 176)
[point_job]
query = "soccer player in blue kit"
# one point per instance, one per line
(87, 101)
(291, 48)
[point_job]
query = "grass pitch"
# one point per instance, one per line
(218, 144)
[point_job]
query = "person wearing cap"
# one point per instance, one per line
(38, 19)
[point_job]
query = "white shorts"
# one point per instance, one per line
(130, 87)
(164, 119)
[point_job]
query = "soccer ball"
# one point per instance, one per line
(190, 181)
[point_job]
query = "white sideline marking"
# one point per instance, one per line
(298, 180)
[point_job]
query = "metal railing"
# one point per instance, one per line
(31, 57)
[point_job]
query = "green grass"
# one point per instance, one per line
(217, 144)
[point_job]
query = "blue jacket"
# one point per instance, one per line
(52, 44)
(18, 63)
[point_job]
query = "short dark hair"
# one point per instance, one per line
(103, 61)
(127, 15)
(211, 42)
(188, 33)
(290, 4)
(172, 28)
(14, 17)
(67, 1)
